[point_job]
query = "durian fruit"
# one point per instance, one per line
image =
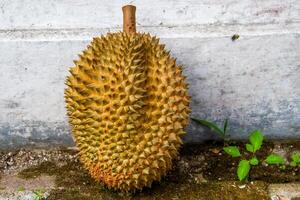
(127, 103)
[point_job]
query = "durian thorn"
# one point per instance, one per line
(155, 164)
(146, 171)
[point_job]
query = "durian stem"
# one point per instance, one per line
(129, 19)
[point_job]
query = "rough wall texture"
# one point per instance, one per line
(254, 81)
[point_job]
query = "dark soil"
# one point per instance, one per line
(201, 171)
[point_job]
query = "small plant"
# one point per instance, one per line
(244, 167)
(38, 194)
(295, 159)
(255, 143)
(222, 132)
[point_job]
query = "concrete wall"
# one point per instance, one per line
(254, 81)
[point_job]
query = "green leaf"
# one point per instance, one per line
(250, 148)
(256, 139)
(296, 157)
(210, 125)
(225, 126)
(275, 159)
(253, 161)
(233, 151)
(243, 169)
(37, 197)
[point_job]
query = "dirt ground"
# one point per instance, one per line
(201, 171)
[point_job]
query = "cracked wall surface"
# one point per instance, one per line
(254, 81)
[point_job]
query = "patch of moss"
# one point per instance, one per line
(72, 181)
(35, 171)
(75, 183)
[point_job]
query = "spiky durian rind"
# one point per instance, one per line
(127, 103)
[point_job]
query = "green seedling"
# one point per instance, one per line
(222, 132)
(295, 159)
(38, 194)
(244, 167)
(255, 143)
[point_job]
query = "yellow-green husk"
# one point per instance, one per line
(127, 103)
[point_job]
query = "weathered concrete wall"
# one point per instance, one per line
(254, 81)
